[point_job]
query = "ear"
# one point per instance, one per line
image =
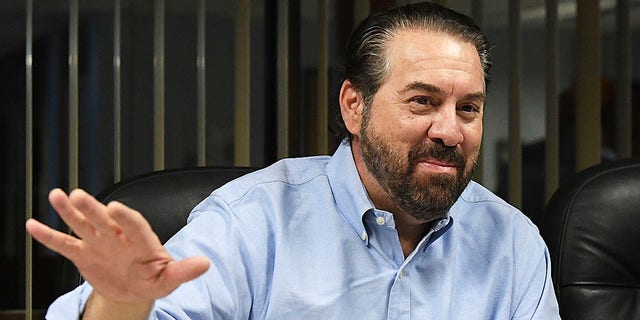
(351, 106)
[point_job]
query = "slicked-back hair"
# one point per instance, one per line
(366, 62)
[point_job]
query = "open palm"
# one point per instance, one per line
(115, 251)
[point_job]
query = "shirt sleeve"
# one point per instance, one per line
(225, 291)
(71, 304)
(548, 306)
(537, 296)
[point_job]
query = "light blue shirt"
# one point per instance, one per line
(302, 240)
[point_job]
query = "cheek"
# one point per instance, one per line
(472, 139)
(396, 129)
(411, 129)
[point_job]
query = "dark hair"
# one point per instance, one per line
(366, 65)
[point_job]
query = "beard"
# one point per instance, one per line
(426, 196)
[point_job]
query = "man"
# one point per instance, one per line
(390, 227)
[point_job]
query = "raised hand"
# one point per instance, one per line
(115, 251)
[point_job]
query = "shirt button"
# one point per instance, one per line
(400, 273)
(363, 235)
(380, 220)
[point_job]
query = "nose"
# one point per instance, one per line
(445, 128)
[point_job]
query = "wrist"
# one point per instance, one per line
(99, 307)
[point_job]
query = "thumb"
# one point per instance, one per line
(187, 269)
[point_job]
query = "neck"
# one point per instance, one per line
(410, 231)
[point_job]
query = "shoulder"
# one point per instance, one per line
(277, 182)
(478, 200)
(488, 219)
(476, 194)
(286, 172)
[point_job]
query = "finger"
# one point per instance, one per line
(69, 214)
(178, 272)
(94, 211)
(132, 223)
(55, 240)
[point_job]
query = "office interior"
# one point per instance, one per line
(94, 92)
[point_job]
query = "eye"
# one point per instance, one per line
(468, 108)
(421, 100)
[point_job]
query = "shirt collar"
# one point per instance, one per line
(349, 193)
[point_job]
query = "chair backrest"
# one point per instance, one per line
(592, 228)
(165, 198)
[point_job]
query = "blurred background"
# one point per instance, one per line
(96, 91)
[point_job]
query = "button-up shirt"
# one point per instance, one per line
(302, 240)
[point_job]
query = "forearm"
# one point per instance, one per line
(99, 308)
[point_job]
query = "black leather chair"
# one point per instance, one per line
(592, 228)
(165, 198)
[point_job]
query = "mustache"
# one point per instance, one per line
(437, 152)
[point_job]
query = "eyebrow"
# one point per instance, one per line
(421, 86)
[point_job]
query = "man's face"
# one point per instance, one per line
(421, 136)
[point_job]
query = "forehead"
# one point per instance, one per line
(411, 51)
